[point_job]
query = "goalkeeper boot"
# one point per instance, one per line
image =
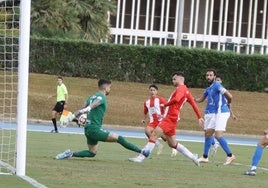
(65, 155)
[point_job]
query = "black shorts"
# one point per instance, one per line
(59, 106)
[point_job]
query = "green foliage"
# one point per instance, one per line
(75, 19)
(146, 64)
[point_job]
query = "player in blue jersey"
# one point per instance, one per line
(215, 144)
(217, 113)
(258, 154)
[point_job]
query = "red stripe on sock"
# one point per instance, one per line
(152, 141)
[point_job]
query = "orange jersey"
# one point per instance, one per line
(176, 101)
(153, 109)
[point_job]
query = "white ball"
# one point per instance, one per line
(82, 119)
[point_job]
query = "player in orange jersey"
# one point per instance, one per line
(167, 127)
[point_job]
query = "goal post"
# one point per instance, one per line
(23, 77)
(14, 74)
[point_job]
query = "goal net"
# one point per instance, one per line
(11, 62)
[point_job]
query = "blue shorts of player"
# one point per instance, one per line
(94, 134)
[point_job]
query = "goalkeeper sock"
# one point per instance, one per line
(84, 153)
(128, 145)
(54, 121)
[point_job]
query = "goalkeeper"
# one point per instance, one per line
(95, 108)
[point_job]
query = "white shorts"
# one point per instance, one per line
(218, 122)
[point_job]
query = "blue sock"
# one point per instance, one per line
(257, 155)
(207, 146)
(225, 146)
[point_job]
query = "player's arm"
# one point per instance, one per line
(228, 96)
(87, 107)
(232, 113)
(145, 112)
(200, 99)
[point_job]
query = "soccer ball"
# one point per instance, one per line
(82, 119)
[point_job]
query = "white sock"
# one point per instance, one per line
(181, 148)
(253, 168)
(149, 146)
(157, 143)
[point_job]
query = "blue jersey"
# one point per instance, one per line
(216, 101)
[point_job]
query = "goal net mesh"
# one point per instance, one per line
(9, 47)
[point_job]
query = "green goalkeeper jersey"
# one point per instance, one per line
(95, 116)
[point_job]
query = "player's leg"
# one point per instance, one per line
(171, 140)
(57, 109)
(148, 148)
(54, 121)
(53, 117)
(148, 131)
(214, 147)
(221, 122)
(91, 152)
(257, 156)
(112, 137)
(209, 131)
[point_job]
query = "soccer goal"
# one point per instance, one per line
(14, 66)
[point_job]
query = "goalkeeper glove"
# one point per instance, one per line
(70, 118)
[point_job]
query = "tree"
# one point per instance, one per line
(84, 19)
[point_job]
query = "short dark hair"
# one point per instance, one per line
(154, 86)
(103, 81)
(212, 70)
(60, 77)
(218, 76)
(178, 73)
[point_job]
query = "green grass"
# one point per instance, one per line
(111, 168)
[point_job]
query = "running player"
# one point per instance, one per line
(167, 127)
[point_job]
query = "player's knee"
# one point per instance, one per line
(113, 137)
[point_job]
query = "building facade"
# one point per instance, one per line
(235, 25)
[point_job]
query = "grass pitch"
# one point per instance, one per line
(111, 168)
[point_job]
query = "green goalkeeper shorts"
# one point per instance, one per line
(95, 134)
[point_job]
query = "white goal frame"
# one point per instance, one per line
(23, 77)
